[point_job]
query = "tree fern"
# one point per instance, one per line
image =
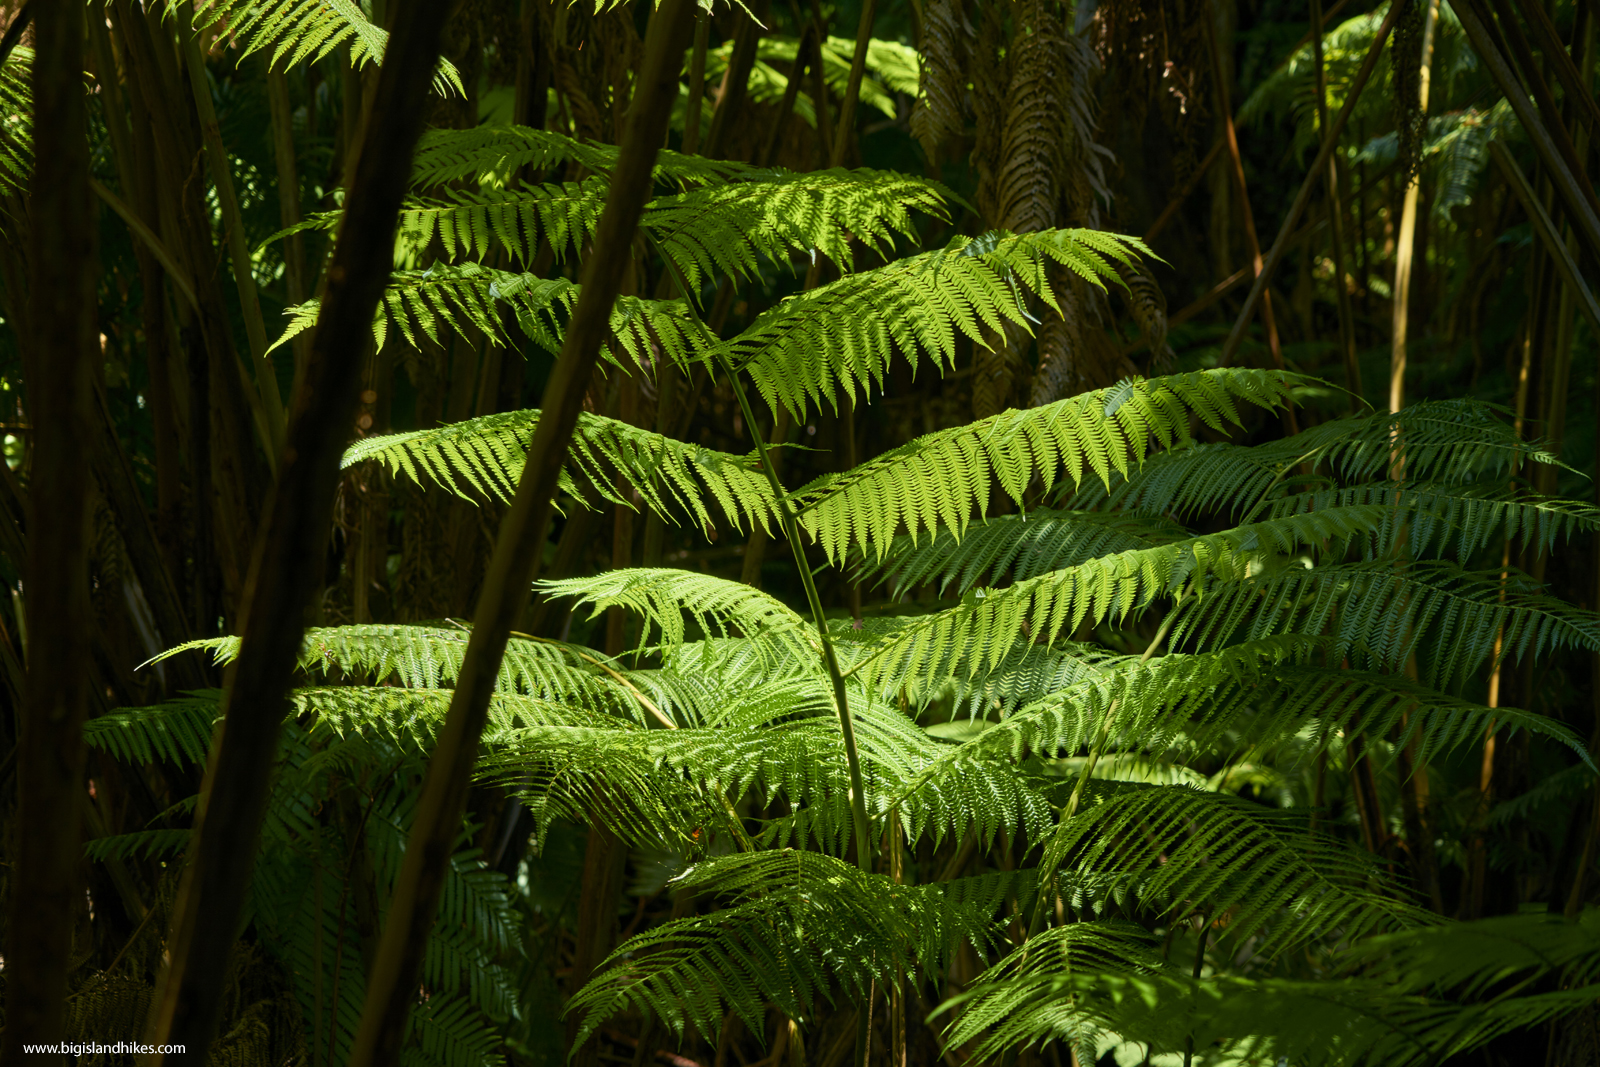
(16, 110)
(304, 30)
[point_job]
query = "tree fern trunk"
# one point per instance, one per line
(46, 887)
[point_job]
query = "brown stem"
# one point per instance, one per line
(843, 135)
(294, 248)
(735, 80)
(1183, 194)
(1330, 140)
(1405, 245)
(299, 516)
(697, 85)
(1347, 327)
(391, 987)
(46, 886)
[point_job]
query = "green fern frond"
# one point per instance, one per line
(939, 481)
(1018, 546)
(16, 121)
(301, 30)
(661, 597)
(492, 155)
(1185, 851)
(178, 731)
(1043, 608)
(842, 335)
(428, 657)
(801, 924)
(483, 458)
(421, 304)
(141, 844)
(1446, 443)
(1379, 615)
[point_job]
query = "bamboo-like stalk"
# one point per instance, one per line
(1219, 87)
(842, 137)
(299, 516)
(1330, 140)
(697, 84)
(266, 379)
(392, 983)
(735, 80)
(60, 354)
(1347, 327)
(1405, 245)
(1555, 151)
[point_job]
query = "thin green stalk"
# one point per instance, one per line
(791, 529)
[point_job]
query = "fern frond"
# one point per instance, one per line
(942, 479)
(301, 30)
(428, 657)
(492, 154)
(1043, 608)
(1185, 851)
(801, 924)
(141, 844)
(16, 121)
(842, 335)
(1380, 614)
(1446, 443)
(421, 303)
(1018, 546)
(483, 457)
(177, 731)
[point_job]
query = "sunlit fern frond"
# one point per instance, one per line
(16, 121)
(980, 631)
(1069, 956)
(430, 657)
(1018, 546)
(1432, 518)
(422, 304)
(492, 154)
(1378, 614)
(661, 597)
(177, 731)
(801, 925)
(1424, 996)
(1263, 873)
(945, 479)
(1445, 443)
(483, 458)
(299, 30)
(891, 67)
(841, 336)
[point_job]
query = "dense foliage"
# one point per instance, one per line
(944, 650)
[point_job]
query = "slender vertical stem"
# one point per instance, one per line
(1341, 288)
(697, 84)
(1406, 246)
(843, 138)
(860, 825)
(45, 887)
(392, 982)
(295, 529)
(1330, 140)
(294, 249)
(238, 248)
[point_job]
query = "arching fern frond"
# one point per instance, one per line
(16, 121)
(1380, 614)
(301, 30)
(1018, 546)
(483, 458)
(941, 480)
(801, 924)
(421, 303)
(1043, 608)
(492, 154)
(842, 335)
(430, 657)
(662, 596)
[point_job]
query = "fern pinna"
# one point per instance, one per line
(1117, 709)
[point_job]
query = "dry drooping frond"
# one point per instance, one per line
(937, 116)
